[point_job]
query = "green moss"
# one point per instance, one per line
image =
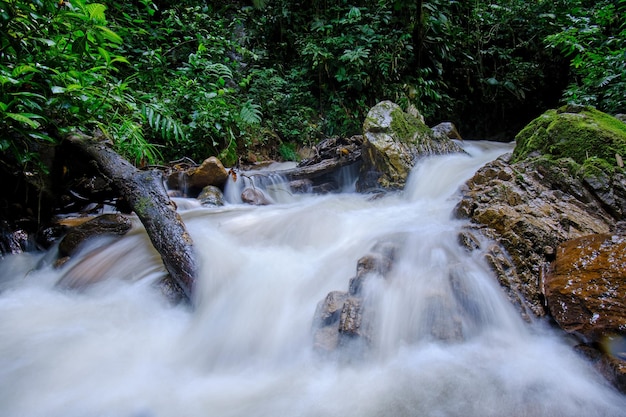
(406, 126)
(143, 205)
(580, 133)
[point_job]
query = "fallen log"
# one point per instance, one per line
(146, 195)
(323, 167)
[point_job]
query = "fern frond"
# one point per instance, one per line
(219, 71)
(250, 113)
(165, 126)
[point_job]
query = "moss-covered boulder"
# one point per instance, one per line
(393, 140)
(582, 134)
(591, 143)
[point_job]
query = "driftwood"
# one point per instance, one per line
(145, 193)
(321, 168)
(330, 155)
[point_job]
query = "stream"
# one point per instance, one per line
(117, 348)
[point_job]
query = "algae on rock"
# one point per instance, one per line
(589, 137)
(393, 141)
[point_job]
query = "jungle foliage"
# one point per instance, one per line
(163, 79)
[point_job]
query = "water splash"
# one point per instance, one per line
(117, 349)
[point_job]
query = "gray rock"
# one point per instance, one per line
(392, 142)
(211, 196)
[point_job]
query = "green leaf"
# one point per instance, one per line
(109, 35)
(26, 118)
(42, 137)
(28, 94)
(23, 69)
(96, 11)
(105, 54)
(79, 46)
(120, 59)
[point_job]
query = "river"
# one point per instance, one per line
(117, 348)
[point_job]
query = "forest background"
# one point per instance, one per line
(162, 80)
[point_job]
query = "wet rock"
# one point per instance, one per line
(351, 318)
(586, 294)
(525, 208)
(255, 197)
(190, 181)
(106, 224)
(211, 196)
(586, 286)
(334, 147)
(210, 172)
(393, 141)
(13, 239)
(325, 321)
(343, 318)
(301, 186)
(609, 188)
(374, 263)
(447, 130)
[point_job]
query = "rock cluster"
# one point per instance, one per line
(555, 226)
(527, 209)
(341, 319)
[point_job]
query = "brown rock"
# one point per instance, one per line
(210, 172)
(255, 197)
(586, 288)
(528, 209)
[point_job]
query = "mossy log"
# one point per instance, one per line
(146, 195)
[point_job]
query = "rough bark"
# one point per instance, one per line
(146, 195)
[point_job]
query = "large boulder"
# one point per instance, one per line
(528, 209)
(551, 213)
(563, 181)
(593, 144)
(582, 134)
(586, 294)
(586, 287)
(392, 142)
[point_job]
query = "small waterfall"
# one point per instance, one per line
(273, 186)
(445, 341)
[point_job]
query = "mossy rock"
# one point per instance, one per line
(582, 134)
(393, 141)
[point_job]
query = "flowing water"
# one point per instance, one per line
(118, 349)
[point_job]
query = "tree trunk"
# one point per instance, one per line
(146, 195)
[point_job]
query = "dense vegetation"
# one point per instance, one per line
(163, 80)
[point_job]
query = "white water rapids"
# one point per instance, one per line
(117, 349)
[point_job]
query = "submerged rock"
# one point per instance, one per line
(393, 141)
(255, 197)
(211, 196)
(344, 318)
